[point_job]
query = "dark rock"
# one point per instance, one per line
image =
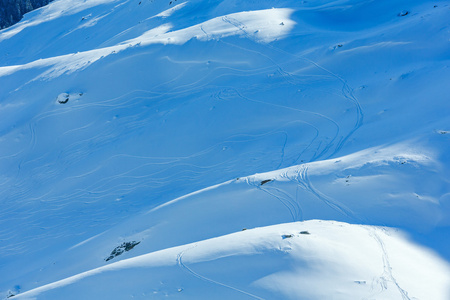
(304, 232)
(266, 181)
(64, 100)
(287, 236)
(12, 11)
(126, 246)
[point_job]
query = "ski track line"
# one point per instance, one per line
(293, 206)
(331, 143)
(195, 274)
(170, 165)
(284, 146)
(304, 182)
(288, 205)
(283, 150)
(347, 91)
(387, 269)
(296, 109)
(294, 203)
(301, 218)
(307, 147)
(317, 154)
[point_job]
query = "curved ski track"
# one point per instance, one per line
(201, 277)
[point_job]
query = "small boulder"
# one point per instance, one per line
(63, 98)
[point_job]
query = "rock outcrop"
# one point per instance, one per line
(12, 11)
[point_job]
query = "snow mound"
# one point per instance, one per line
(339, 259)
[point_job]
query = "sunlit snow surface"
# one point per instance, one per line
(263, 26)
(144, 120)
(282, 261)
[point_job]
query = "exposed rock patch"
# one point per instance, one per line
(126, 246)
(12, 11)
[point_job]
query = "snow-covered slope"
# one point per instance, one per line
(128, 121)
(313, 259)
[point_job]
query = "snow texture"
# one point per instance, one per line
(213, 136)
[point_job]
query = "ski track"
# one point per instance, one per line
(387, 275)
(347, 91)
(283, 150)
(331, 143)
(201, 277)
(306, 148)
(304, 182)
(287, 204)
(336, 125)
(292, 205)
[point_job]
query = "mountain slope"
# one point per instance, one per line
(111, 108)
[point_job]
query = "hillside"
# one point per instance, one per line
(155, 149)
